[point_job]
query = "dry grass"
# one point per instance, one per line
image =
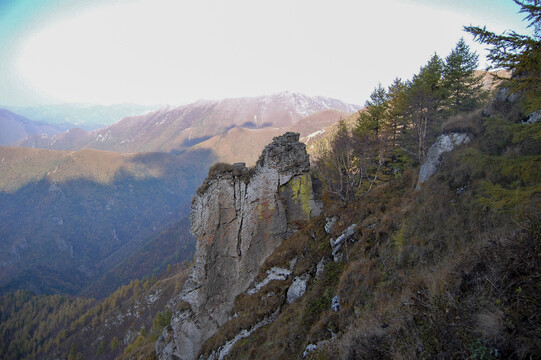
(470, 122)
(221, 169)
(431, 274)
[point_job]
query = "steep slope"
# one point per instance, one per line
(176, 129)
(14, 127)
(127, 322)
(173, 245)
(69, 217)
(449, 270)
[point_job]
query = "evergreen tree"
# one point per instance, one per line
(396, 105)
(372, 121)
(518, 53)
(463, 86)
(424, 101)
(114, 344)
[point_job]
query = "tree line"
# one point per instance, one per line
(400, 120)
(399, 123)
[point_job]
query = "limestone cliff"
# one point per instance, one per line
(239, 216)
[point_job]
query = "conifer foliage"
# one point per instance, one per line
(403, 119)
(373, 120)
(518, 53)
(463, 86)
(425, 97)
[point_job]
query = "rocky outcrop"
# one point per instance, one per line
(336, 245)
(297, 288)
(444, 143)
(239, 216)
(533, 117)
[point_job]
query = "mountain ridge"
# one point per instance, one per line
(14, 127)
(86, 116)
(176, 129)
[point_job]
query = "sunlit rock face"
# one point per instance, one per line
(239, 216)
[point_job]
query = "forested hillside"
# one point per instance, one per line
(68, 218)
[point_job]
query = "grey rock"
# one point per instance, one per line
(534, 117)
(335, 305)
(238, 222)
(165, 346)
(336, 249)
(346, 234)
(506, 95)
(336, 245)
(297, 288)
(444, 143)
(338, 257)
(223, 350)
(276, 273)
(329, 224)
(320, 267)
(309, 348)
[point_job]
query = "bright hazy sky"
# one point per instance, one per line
(178, 51)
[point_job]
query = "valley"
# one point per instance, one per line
(76, 220)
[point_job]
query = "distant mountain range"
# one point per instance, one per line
(177, 129)
(241, 144)
(83, 220)
(14, 127)
(84, 116)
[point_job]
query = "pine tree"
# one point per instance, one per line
(463, 86)
(114, 344)
(518, 53)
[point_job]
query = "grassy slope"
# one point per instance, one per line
(451, 271)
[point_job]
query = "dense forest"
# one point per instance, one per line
(447, 268)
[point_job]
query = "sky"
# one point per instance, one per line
(178, 51)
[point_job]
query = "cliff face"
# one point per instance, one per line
(239, 216)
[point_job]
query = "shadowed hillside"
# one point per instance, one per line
(14, 127)
(69, 217)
